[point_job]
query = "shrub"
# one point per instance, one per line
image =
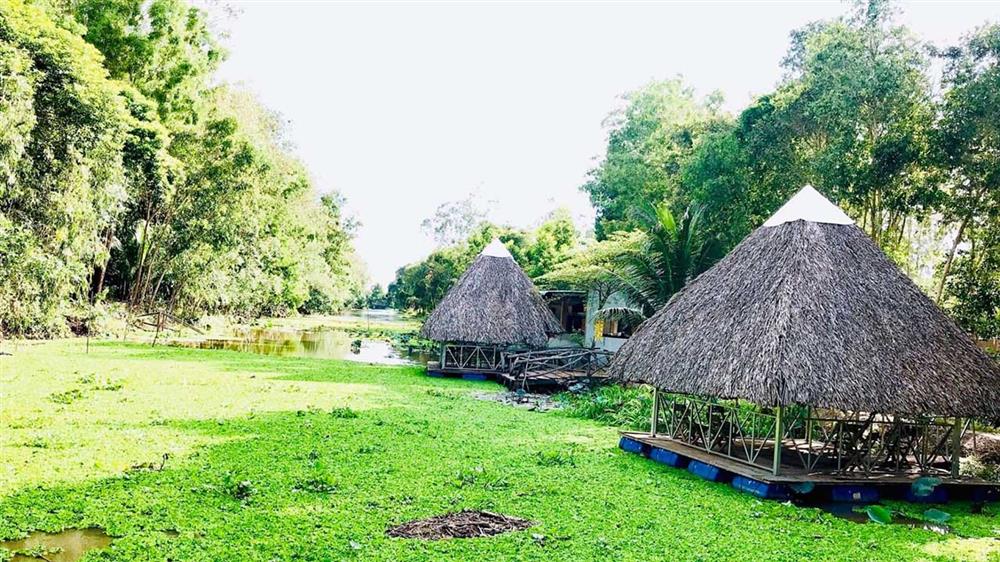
(620, 406)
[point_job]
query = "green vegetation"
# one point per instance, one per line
(419, 287)
(856, 118)
(627, 407)
(257, 458)
(645, 266)
(129, 175)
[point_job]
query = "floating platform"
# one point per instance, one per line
(763, 483)
(434, 370)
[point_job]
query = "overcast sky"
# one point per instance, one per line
(404, 106)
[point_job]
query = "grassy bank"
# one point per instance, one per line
(304, 459)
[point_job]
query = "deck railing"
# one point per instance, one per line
(812, 440)
(584, 363)
(473, 357)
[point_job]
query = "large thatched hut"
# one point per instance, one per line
(806, 351)
(492, 308)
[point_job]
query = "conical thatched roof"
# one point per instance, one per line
(807, 310)
(493, 302)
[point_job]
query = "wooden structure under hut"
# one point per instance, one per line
(806, 358)
(493, 309)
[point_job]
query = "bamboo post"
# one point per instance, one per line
(777, 441)
(443, 345)
(956, 448)
(655, 417)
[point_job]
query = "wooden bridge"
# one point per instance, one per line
(555, 368)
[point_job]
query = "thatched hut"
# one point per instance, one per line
(807, 341)
(493, 307)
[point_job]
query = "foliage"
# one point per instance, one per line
(855, 117)
(615, 405)
(377, 297)
(975, 285)
(419, 287)
(967, 139)
(61, 164)
(127, 174)
(317, 483)
(646, 267)
(454, 221)
(648, 142)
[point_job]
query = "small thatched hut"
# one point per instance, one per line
(807, 332)
(492, 307)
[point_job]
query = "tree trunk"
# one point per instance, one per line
(103, 269)
(951, 258)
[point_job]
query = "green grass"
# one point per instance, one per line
(304, 459)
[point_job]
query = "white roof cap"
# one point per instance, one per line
(496, 249)
(809, 205)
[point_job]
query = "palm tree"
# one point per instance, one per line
(665, 256)
(646, 266)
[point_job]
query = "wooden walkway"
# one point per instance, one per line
(555, 368)
(434, 369)
(549, 380)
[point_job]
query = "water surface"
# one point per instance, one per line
(322, 342)
(65, 546)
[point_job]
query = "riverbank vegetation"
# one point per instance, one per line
(188, 454)
(130, 175)
(419, 287)
(858, 117)
(900, 133)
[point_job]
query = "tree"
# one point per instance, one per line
(131, 176)
(377, 297)
(975, 284)
(967, 141)
(648, 141)
(646, 266)
(454, 221)
(420, 287)
(856, 108)
(64, 127)
(162, 47)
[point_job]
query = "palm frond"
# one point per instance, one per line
(628, 314)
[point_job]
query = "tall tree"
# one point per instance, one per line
(856, 109)
(648, 141)
(454, 221)
(967, 141)
(61, 161)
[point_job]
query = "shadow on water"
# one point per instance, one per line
(65, 546)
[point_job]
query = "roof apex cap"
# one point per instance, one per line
(811, 206)
(496, 249)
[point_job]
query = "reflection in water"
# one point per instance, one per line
(321, 343)
(66, 546)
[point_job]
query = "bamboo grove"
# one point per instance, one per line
(129, 174)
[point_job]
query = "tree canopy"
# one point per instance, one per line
(130, 174)
(420, 286)
(855, 116)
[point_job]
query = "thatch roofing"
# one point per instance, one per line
(493, 302)
(807, 310)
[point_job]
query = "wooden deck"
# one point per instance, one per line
(550, 380)
(789, 474)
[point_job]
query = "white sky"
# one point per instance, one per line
(404, 106)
